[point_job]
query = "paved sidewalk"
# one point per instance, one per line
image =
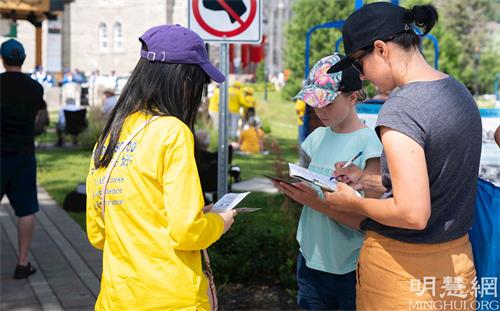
(257, 184)
(68, 267)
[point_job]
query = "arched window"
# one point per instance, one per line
(117, 37)
(103, 37)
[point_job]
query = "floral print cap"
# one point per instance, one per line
(321, 88)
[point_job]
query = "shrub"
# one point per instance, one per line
(266, 126)
(260, 248)
(259, 72)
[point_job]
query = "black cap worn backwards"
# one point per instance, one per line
(374, 21)
(350, 80)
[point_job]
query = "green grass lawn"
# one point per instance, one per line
(265, 240)
(59, 172)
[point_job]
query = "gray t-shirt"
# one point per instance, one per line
(443, 118)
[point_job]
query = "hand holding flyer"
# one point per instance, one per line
(228, 202)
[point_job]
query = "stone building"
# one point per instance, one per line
(102, 34)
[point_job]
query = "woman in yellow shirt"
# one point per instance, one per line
(252, 139)
(213, 108)
(153, 225)
(250, 102)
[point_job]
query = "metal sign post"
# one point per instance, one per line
(225, 22)
(222, 166)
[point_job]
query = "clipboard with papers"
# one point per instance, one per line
(298, 174)
(319, 180)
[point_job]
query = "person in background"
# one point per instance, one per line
(249, 104)
(68, 77)
(61, 121)
(42, 77)
(21, 101)
(252, 139)
(236, 100)
(213, 107)
(71, 86)
(110, 100)
(94, 87)
(79, 77)
(111, 80)
(300, 110)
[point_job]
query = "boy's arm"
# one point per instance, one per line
(305, 160)
(304, 194)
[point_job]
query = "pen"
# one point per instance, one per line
(350, 162)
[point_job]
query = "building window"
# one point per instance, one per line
(117, 37)
(103, 37)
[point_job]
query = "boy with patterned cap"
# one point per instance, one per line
(330, 241)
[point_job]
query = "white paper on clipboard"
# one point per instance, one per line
(319, 180)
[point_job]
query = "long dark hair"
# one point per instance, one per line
(157, 89)
(424, 17)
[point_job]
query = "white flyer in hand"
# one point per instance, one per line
(228, 202)
(319, 180)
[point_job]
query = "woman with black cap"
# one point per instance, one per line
(416, 253)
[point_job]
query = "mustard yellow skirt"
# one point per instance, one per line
(394, 275)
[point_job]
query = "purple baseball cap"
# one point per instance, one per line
(178, 45)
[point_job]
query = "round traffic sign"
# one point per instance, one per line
(243, 24)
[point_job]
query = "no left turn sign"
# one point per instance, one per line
(226, 21)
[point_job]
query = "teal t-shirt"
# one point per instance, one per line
(326, 244)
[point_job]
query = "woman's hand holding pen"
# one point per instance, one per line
(342, 199)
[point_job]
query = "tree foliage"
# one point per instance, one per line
(468, 35)
(307, 13)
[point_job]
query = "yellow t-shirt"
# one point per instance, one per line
(250, 101)
(300, 109)
(154, 225)
(213, 102)
(236, 99)
(250, 138)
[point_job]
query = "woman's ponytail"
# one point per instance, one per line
(425, 17)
